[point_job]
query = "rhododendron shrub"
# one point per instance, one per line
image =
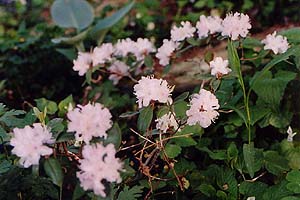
(135, 135)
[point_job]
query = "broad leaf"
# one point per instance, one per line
(145, 118)
(111, 20)
(54, 171)
(72, 13)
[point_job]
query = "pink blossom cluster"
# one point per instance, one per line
(203, 109)
(99, 163)
(151, 89)
(30, 143)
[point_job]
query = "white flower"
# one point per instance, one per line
(165, 122)
(118, 70)
(210, 24)
(165, 51)
(251, 198)
(99, 163)
(102, 54)
(290, 134)
(278, 44)
(186, 30)
(143, 47)
(203, 109)
(82, 63)
(29, 143)
(124, 47)
(149, 88)
(236, 25)
(219, 67)
(91, 120)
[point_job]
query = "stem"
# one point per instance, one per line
(60, 193)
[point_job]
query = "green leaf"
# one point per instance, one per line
(148, 61)
(54, 171)
(182, 97)
(145, 118)
(184, 141)
(5, 137)
(70, 53)
(294, 181)
(131, 194)
(56, 126)
(277, 59)
(172, 150)
(275, 163)
(163, 110)
(111, 20)
(180, 108)
(234, 61)
(5, 166)
(249, 158)
(250, 189)
(293, 35)
(72, 13)
(277, 192)
(216, 154)
(129, 114)
(193, 41)
(257, 113)
(207, 190)
(43, 103)
(78, 192)
(64, 105)
(271, 90)
(114, 136)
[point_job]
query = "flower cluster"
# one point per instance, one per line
(117, 70)
(203, 109)
(235, 25)
(208, 25)
(219, 67)
(276, 43)
(186, 30)
(165, 52)
(165, 122)
(91, 120)
(99, 163)
(151, 89)
(108, 52)
(29, 143)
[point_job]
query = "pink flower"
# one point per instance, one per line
(82, 63)
(99, 163)
(210, 24)
(236, 25)
(186, 30)
(203, 108)
(118, 70)
(165, 51)
(91, 120)
(276, 43)
(219, 67)
(149, 88)
(29, 143)
(102, 54)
